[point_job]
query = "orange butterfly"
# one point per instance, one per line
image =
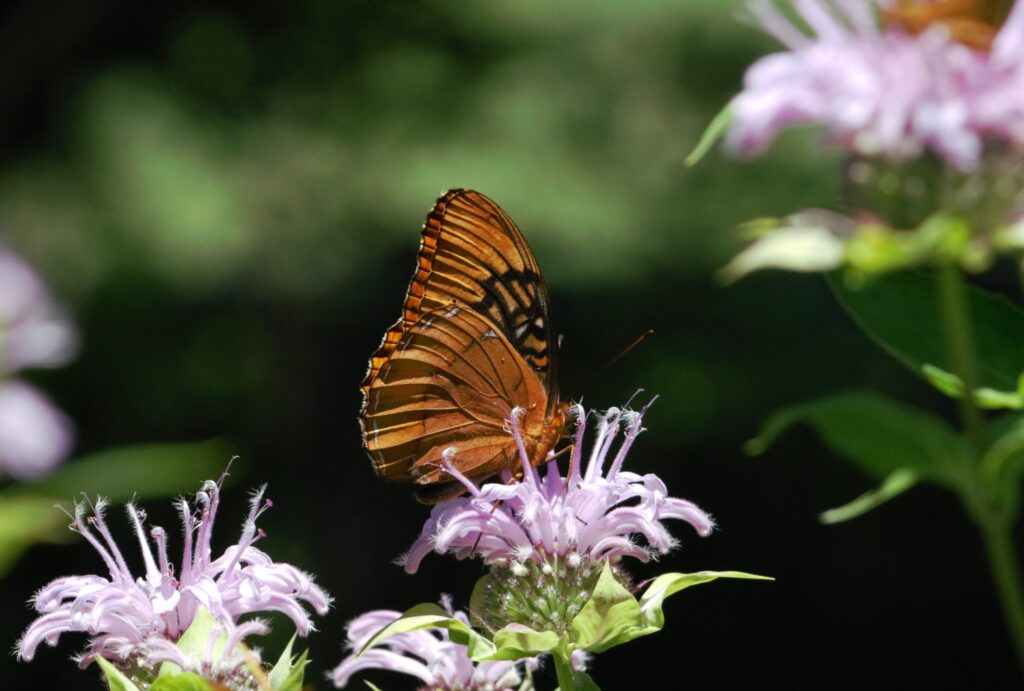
(971, 22)
(474, 342)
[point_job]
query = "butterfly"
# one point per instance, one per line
(971, 22)
(474, 342)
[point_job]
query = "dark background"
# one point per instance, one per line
(228, 199)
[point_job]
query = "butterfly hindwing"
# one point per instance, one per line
(450, 383)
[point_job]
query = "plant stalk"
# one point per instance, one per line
(997, 532)
(959, 335)
(1006, 571)
(564, 673)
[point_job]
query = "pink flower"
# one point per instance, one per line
(882, 91)
(428, 655)
(593, 514)
(34, 436)
(135, 622)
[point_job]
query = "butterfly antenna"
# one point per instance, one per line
(625, 351)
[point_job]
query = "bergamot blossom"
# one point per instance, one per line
(135, 623)
(429, 655)
(34, 435)
(880, 90)
(547, 537)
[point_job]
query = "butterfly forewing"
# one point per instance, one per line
(450, 383)
(474, 342)
(473, 256)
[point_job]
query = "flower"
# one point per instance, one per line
(426, 654)
(592, 514)
(34, 436)
(882, 91)
(135, 622)
(551, 534)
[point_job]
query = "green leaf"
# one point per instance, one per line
(195, 642)
(430, 616)
(28, 514)
(623, 624)
(295, 674)
(187, 681)
(140, 472)
(115, 679)
(613, 616)
(607, 615)
(892, 442)
(516, 641)
(372, 686)
(897, 482)
(900, 312)
(283, 667)
(877, 433)
(668, 584)
(717, 128)
(792, 248)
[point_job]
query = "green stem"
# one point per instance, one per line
(998, 536)
(959, 334)
(996, 530)
(563, 671)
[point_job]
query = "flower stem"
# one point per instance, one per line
(998, 536)
(563, 671)
(997, 532)
(959, 335)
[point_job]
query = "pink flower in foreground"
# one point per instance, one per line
(428, 655)
(882, 91)
(595, 514)
(34, 436)
(135, 622)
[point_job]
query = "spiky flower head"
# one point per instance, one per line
(880, 90)
(428, 655)
(548, 537)
(135, 623)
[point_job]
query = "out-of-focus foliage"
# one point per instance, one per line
(29, 513)
(210, 166)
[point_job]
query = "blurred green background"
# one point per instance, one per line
(228, 198)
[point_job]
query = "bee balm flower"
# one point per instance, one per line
(428, 655)
(34, 436)
(555, 532)
(881, 90)
(134, 623)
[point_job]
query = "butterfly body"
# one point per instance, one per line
(474, 342)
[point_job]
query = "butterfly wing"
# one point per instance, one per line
(450, 382)
(473, 256)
